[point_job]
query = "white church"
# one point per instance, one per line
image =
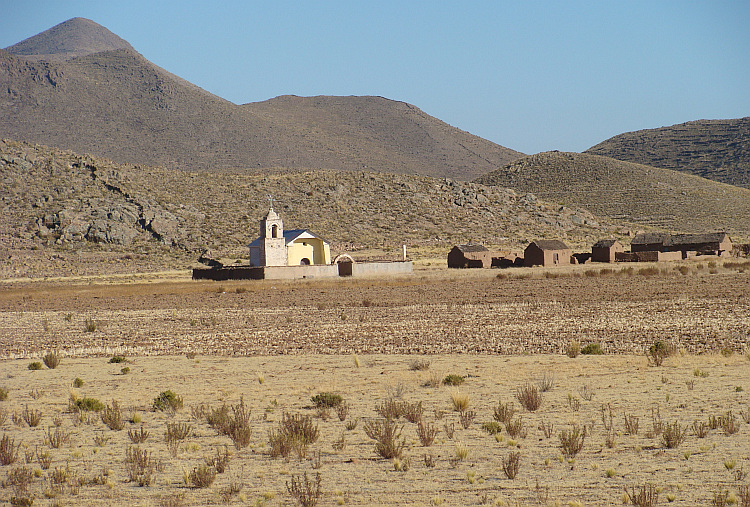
(277, 247)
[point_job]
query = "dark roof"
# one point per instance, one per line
(649, 238)
(289, 236)
(605, 243)
(550, 244)
(689, 239)
(472, 248)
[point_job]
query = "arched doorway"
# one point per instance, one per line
(304, 262)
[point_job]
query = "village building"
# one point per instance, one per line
(605, 250)
(469, 256)
(547, 252)
(716, 243)
(277, 247)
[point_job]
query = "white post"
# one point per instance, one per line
(404, 256)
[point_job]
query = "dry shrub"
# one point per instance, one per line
(466, 418)
(511, 465)
(426, 433)
(295, 433)
(419, 365)
(391, 408)
(573, 349)
(202, 476)
(631, 424)
(413, 412)
(56, 438)
(572, 441)
(140, 466)
(504, 412)
(8, 450)
(515, 428)
(138, 436)
(112, 416)
(673, 435)
(176, 432)
(659, 351)
(31, 417)
(239, 425)
(220, 462)
(547, 428)
(51, 359)
(3, 394)
(387, 436)
(646, 495)
(342, 411)
(529, 397)
(546, 383)
(167, 401)
(19, 478)
(327, 400)
(305, 491)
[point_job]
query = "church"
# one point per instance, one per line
(277, 247)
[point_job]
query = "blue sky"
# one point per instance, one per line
(532, 76)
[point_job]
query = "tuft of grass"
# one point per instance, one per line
(36, 365)
(31, 416)
(78, 383)
(90, 325)
(419, 365)
(3, 394)
(460, 401)
(573, 349)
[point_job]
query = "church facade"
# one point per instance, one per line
(277, 247)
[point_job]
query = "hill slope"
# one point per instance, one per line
(630, 192)
(714, 149)
(60, 205)
(117, 104)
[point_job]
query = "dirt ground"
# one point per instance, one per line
(277, 344)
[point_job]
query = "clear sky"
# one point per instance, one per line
(529, 75)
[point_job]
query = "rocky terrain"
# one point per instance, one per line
(106, 99)
(58, 206)
(634, 193)
(715, 149)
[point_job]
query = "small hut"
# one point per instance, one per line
(547, 252)
(604, 250)
(469, 256)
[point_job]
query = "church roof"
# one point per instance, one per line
(290, 236)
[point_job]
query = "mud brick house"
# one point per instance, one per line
(605, 250)
(715, 243)
(547, 252)
(469, 256)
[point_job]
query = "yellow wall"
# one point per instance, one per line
(311, 248)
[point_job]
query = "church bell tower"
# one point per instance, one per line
(272, 243)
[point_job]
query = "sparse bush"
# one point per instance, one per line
(453, 380)
(413, 412)
(3, 394)
(466, 417)
(492, 427)
(572, 441)
(426, 433)
(112, 416)
(342, 411)
(76, 404)
(220, 462)
(504, 412)
(19, 478)
(631, 424)
(646, 495)
(547, 428)
(8, 450)
(89, 325)
(529, 397)
(419, 365)
(304, 491)
(659, 351)
(238, 427)
(31, 416)
(56, 438)
(202, 476)
(387, 436)
(51, 360)
(138, 436)
(117, 360)
(78, 383)
(295, 433)
(167, 401)
(327, 400)
(673, 435)
(392, 408)
(515, 428)
(140, 466)
(36, 365)
(125, 370)
(511, 464)
(546, 383)
(573, 349)
(592, 349)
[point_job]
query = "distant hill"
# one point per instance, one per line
(714, 149)
(629, 192)
(78, 86)
(58, 207)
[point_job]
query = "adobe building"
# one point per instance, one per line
(716, 243)
(469, 256)
(605, 250)
(547, 252)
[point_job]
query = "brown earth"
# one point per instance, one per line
(277, 344)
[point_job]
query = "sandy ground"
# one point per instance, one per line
(276, 344)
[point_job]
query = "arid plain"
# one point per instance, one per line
(275, 345)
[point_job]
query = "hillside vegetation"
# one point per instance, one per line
(714, 149)
(629, 192)
(117, 104)
(60, 204)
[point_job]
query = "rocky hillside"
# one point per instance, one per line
(630, 192)
(68, 213)
(117, 104)
(714, 149)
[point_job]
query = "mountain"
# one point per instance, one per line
(714, 149)
(61, 89)
(67, 213)
(629, 192)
